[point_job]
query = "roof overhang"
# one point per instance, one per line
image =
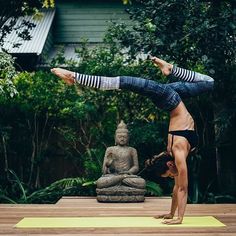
(38, 35)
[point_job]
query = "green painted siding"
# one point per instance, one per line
(47, 47)
(48, 44)
(77, 20)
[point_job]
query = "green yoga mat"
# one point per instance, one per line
(109, 222)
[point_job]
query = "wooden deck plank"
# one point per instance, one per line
(87, 206)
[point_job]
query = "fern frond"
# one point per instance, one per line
(153, 188)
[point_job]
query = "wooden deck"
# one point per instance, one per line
(84, 206)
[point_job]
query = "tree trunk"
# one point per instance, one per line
(5, 156)
(32, 159)
(37, 181)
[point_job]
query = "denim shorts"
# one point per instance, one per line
(165, 96)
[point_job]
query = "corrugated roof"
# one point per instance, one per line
(39, 35)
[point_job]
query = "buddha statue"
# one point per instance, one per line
(120, 167)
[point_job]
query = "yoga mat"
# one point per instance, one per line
(109, 222)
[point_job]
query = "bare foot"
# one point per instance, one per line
(66, 75)
(164, 66)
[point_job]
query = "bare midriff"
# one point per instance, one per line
(180, 119)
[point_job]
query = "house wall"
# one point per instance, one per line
(44, 57)
(78, 20)
(48, 43)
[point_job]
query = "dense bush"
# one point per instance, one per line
(52, 128)
(199, 35)
(51, 131)
(7, 73)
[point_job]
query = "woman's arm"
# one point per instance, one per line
(174, 203)
(183, 185)
(182, 192)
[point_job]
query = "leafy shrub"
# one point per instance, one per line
(7, 73)
(78, 124)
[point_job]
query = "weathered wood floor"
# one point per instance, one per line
(83, 206)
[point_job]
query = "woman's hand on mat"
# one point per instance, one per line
(173, 221)
(65, 75)
(164, 216)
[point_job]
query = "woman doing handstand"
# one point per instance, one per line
(182, 138)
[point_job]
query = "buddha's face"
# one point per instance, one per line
(122, 139)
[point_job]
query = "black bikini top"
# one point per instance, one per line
(190, 135)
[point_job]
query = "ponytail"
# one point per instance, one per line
(157, 164)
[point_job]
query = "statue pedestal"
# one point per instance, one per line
(120, 194)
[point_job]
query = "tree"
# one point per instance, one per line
(56, 122)
(197, 34)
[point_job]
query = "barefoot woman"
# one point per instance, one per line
(182, 137)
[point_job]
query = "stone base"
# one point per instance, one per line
(120, 194)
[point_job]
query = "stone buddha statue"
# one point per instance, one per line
(119, 182)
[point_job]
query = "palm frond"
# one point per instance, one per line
(153, 188)
(89, 183)
(8, 199)
(19, 183)
(58, 188)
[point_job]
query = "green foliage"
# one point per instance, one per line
(127, 2)
(41, 92)
(63, 187)
(182, 30)
(188, 33)
(7, 73)
(54, 119)
(48, 3)
(50, 194)
(56, 122)
(198, 35)
(153, 189)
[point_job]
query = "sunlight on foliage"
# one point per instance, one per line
(7, 73)
(48, 3)
(125, 2)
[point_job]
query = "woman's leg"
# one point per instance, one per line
(192, 84)
(162, 95)
(100, 82)
(190, 76)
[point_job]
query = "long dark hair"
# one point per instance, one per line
(156, 165)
